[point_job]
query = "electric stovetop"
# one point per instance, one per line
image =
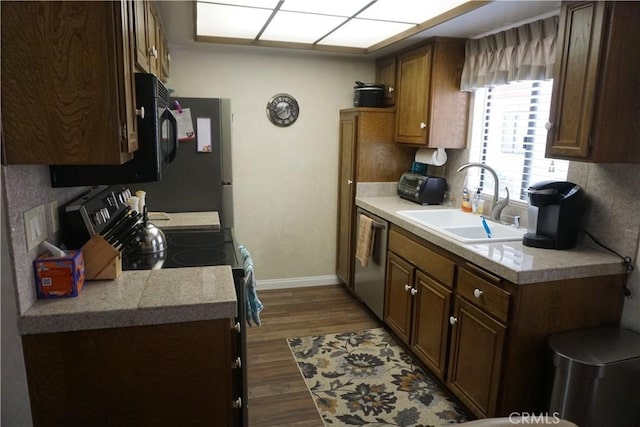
(190, 248)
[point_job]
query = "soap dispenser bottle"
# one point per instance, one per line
(466, 200)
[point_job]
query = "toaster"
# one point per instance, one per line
(423, 189)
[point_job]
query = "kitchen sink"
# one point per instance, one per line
(462, 226)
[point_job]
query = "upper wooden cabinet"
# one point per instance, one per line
(386, 75)
(430, 108)
(595, 110)
(68, 89)
(367, 154)
(151, 49)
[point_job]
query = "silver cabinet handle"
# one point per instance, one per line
(423, 125)
(140, 112)
(349, 182)
(414, 291)
(391, 89)
(548, 125)
(237, 327)
(453, 320)
(477, 293)
(407, 287)
(238, 363)
(237, 404)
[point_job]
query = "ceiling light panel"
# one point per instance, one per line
(364, 33)
(413, 11)
(327, 7)
(265, 4)
(299, 27)
(217, 20)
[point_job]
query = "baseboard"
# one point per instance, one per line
(297, 282)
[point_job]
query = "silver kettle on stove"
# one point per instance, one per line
(152, 239)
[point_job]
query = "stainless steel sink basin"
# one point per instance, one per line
(462, 226)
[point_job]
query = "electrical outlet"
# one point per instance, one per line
(35, 226)
(53, 211)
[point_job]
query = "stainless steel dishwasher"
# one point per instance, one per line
(369, 281)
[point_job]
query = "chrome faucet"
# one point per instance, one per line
(496, 206)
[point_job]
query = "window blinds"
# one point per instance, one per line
(512, 137)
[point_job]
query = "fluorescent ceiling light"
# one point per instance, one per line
(230, 21)
(413, 11)
(299, 27)
(364, 33)
(346, 8)
(333, 24)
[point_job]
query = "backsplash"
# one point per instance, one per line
(25, 187)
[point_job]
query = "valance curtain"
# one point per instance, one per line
(523, 53)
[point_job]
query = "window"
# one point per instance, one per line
(509, 135)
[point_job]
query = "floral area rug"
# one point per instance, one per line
(366, 379)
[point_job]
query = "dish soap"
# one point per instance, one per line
(466, 201)
(475, 203)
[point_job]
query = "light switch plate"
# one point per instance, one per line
(55, 221)
(35, 226)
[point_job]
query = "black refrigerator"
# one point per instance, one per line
(198, 179)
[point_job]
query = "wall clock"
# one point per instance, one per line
(283, 110)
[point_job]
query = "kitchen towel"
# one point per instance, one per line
(253, 303)
(365, 240)
(431, 156)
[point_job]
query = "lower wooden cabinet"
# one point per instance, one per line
(483, 336)
(417, 305)
(476, 357)
(430, 330)
(171, 374)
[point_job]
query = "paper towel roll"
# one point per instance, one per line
(431, 156)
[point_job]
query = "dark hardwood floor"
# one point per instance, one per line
(278, 395)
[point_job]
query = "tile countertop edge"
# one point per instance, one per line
(541, 264)
(43, 317)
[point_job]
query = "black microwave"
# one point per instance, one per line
(157, 144)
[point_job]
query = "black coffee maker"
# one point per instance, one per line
(555, 214)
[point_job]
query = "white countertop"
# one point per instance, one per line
(511, 260)
(143, 297)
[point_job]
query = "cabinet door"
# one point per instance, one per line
(580, 40)
(164, 58)
(346, 196)
(477, 345)
(432, 305)
(79, 108)
(157, 375)
(141, 35)
(386, 75)
(153, 25)
(398, 296)
(413, 96)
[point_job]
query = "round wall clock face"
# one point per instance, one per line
(283, 110)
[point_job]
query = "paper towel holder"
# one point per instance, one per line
(431, 156)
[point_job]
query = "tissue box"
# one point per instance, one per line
(59, 276)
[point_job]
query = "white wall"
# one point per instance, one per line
(285, 179)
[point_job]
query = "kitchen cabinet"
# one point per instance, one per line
(68, 88)
(418, 299)
(431, 111)
(596, 84)
(367, 154)
(170, 374)
(151, 49)
(386, 75)
(477, 342)
(484, 337)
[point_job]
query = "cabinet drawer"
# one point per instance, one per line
(425, 259)
(483, 294)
